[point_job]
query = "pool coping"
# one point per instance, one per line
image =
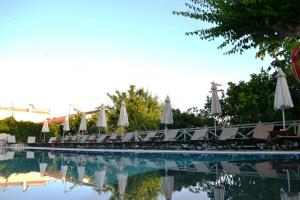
(226, 152)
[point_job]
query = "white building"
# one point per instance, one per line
(25, 114)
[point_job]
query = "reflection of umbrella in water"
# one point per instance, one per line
(66, 127)
(43, 167)
(100, 179)
(45, 128)
(123, 118)
(101, 122)
(63, 171)
(283, 98)
(167, 116)
(215, 107)
(122, 182)
(219, 190)
(81, 173)
(168, 181)
(168, 185)
(82, 127)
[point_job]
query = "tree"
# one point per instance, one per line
(253, 101)
(272, 26)
(143, 109)
(191, 118)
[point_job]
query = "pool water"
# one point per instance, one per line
(37, 174)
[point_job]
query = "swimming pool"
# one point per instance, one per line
(44, 174)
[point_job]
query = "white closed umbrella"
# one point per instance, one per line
(101, 122)
(100, 179)
(82, 127)
(168, 185)
(283, 98)
(166, 115)
(45, 128)
(81, 173)
(122, 182)
(63, 171)
(219, 193)
(215, 107)
(66, 127)
(123, 117)
(43, 167)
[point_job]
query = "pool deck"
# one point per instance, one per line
(215, 152)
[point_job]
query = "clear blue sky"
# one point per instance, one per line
(59, 52)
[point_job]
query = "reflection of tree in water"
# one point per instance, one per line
(147, 185)
(143, 186)
(236, 186)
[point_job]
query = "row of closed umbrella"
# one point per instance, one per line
(282, 101)
(166, 118)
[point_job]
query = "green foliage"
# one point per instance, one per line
(253, 101)
(143, 109)
(146, 186)
(4, 128)
(272, 26)
(25, 129)
(74, 123)
(191, 118)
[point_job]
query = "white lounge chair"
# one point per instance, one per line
(149, 136)
(31, 140)
(52, 140)
(101, 138)
(170, 135)
(11, 139)
(199, 134)
(128, 137)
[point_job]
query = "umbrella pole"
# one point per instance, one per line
(99, 133)
(165, 128)
(44, 137)
(283, 118)
(215, 126)
(63, 134)
(122, 133)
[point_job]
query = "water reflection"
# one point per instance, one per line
(148, 176)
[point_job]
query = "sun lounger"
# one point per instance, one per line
(199, 140)
(167, 141)
(226, 134)
(84, 139)
(200, 167)
(11, 139)
(128, 137)
(114, 137)
(230, 168)
(260, 137)
(51, 155)
(286, 142)
(52, 140)
(149, 136)
(171, 165)
(170, 135)
(102, 138)
(91, 139)
(31, 140)
(29, 154)
(199, 134)
(9, 155)
(264, 169)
